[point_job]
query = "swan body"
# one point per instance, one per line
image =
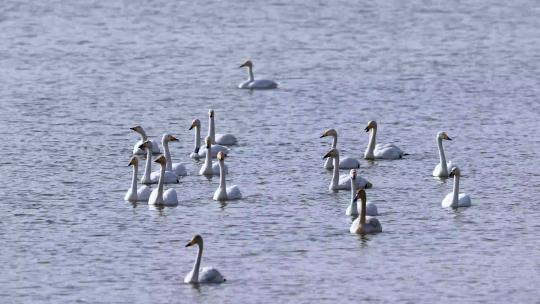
(352, 209)
(144, 137)
(177, 168)
(345, 162)
(206, 274)
(150, 177)
(208, 168)
(224, 193)
(455, 199)
(201, 153)
(158, 197)
(221, 139)
(443, 168)
(364, 224)
(343, 182)
(255, 84)
(134, 193)
(380, 151)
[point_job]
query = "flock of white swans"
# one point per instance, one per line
(217, 146)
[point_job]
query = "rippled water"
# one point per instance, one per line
(77, 74)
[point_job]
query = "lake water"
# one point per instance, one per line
(76, 75)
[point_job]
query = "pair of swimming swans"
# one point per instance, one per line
(173, 170)
(208, 168)
(352, 209)
(255, 84)
(343, 182)
(218, 141)
(345, 162)
(224, 193)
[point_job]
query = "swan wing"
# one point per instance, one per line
(344, 182)
(372, 225)
(387, 151)
(210, 275)
(215, 150)
(233, 193)
(215, 168)
(447, 200)
(464, 200)
(170, 177)
(348, 163)
(170, 198)
(136, 150)
(371, 209)
(179, 169)
(152, 200)
(262, 84)
(226, 139)
(143, 193)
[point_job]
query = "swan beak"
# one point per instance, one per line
(172, 138)
(326, 155)
(322, 136)
(189, 243)
(366, 129)
(242, 65)
(132, 128)
(197, 150)
(448, 138)
(192, 126)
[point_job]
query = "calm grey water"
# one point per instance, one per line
(75, 75)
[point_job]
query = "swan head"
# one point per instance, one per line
(353, 174)
(360, 194)
(372, 124)
(443, 135)
(145, 145)
(161, 160)
(455, 172)
(197, 239)
(247, 64)
(167, 137)
(329, 132)
(207, 142)
(137, 129)
(195, 124)
(221, 156)
(133, 161)
(210, 113)
(331, 153)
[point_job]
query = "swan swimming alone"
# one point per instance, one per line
(252, 84)
(177, 168)
(206, 274)
(133, 194)
(224, 193)
(455, 199)
(208, 168)
(150, 177)
(220, 139)
(352, 209)
(364, 224)
(158, 197)
(345, 162)
(343, 182)
(197, 152)
(443, 168)
(144, 137)
(374, 151)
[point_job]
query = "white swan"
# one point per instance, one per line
(177, 168)
(373, 151)
(443, 168)
(136, 150)
(197, 152)
(252, 84)
(224, 193)
(364, 224)
(206, 274)
(133, 194)
(343, 182)
(220, 139)
(345, 162)
(158, 197)
(352, 209)
(208, 168)
(150, 177)
(455, 199)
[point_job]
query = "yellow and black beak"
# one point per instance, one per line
(172, 138)
(366, 129)
(448, 138)
(190, 243)
(192, 126)
(327, 155)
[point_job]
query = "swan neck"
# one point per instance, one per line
(197, 139)
(160, 183)
(148, 167)
(442, 157)
(372, 141)
(165, 144)
(212, 130)
(144, 137)
(455, 198)
(208, 159)
(134, 179)
(335, 175)
(250, 72)
(334, 142)
(363, 211)
(353, 193)
(222, 183)
(197, 264)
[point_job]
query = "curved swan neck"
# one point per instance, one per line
(197, 264)
(334, 142)
(148, 167)
(160, 183)
(455, 198)
(134, 179)
(372, 142)
(222, 183)
(143, 135)
(165, 144)
(442, 157)
(197, 139)
(335, 175)
(250, 72)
